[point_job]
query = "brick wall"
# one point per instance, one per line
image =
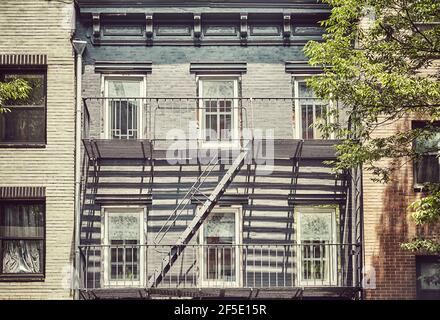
(44, 27)
(387, 224)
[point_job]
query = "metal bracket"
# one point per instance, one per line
(149, 26)
(96, 21)
(197, 25)
(243, 26)
(287, 26)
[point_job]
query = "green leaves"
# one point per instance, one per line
(375, 58)
(422, 245)
(17, 89)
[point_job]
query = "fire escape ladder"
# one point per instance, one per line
(198, 219)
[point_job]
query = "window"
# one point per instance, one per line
(124, 107)
(219, 110)
(428, 277)
(22, 240)
(426, 169)
(317, 252)
(124, 251)
(309, 111)
(25, 124)
(220, 240)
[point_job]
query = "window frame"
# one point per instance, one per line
(27, 70)
(25, 277)
(297, 110)
(106, 134)
(106, 268)
(238, 283)
(235, 112)
(333, 256)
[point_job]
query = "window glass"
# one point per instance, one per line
(427, 166)
(21, 237)
(218, 109)
(124, 240)
(25, 122)
(430, 275)
(219, 250)
(312, 111)
(124, 113)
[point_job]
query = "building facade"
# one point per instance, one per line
(202, 175)
(37, 151)
(199, 173)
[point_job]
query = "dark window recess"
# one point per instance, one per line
(22, 240)
(426, 168)
(428, 277)
(25, 123)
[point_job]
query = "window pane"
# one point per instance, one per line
(124, 119)
(430, 275)
(220, 252)
(22, 221)
(37, 94)
(124, 227)
(307, 121)
(23, 124)
(218, 89)
(427, 169)
(316, 226)
(211, 127)
(430, 145)
(220, 228)
(22, 256)
(124, 88)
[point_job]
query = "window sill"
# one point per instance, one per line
(22, 278)
(23, 145)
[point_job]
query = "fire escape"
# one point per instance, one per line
(145, 153)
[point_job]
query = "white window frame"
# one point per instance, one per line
(204, 283)
(332, 256)
(298, 115)
(105, 134)
(106, 268)
(235, 123)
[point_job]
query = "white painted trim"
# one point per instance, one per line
(235, 112)
(105, 271)
(238, 283)
(332, 258)
(106, 114)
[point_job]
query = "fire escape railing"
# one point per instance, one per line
(288, 265)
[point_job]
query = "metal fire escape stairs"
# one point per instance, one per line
(201, 215)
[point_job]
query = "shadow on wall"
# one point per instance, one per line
(394, 267)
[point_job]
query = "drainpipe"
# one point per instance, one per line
(79, 47)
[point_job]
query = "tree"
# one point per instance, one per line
(16, 89)
(373, 56)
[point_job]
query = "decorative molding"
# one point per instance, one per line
(22, 193)
(197, 25)
(302, 68)
(114, 199)
(218, 67)
(225, 200)
(96, 22)
(244, 25)
(123, 67)
(149, 26)
(23, 59)
(287, 26)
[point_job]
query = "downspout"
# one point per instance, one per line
(79, 47)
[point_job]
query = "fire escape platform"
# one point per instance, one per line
(144, 149)
(295, 293)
